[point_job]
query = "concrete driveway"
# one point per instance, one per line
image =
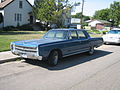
(100, 71)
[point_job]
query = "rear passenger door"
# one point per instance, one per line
(73, 42)
(84, 45)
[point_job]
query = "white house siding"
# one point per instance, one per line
(2, 11)
(93, 23)
(12, 8)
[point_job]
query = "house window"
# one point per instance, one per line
(20, 4)
(15, 17)
(18, 17)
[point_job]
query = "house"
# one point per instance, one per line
(15, 13)
(99, 24)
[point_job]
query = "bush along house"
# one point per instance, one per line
(15, 13)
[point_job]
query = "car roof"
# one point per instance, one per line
(69, 29)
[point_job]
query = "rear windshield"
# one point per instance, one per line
(114, 32)
(59, 34)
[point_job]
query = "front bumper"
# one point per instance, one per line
(26, 53)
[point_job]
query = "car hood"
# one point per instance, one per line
(36, 42)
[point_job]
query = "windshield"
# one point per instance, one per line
(59, 34)
(114, 32)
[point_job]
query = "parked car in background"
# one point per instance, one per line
(113, 36)
(55, 44)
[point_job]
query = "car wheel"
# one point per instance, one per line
(106, 43)
(27, 60)
(53, 58)
(91, 51)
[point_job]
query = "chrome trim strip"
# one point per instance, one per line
(25, 49)
(76, 53)
(63, 42)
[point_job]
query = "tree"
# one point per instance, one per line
(115, 13)
(102, 14)
(44, 10)
(78, 15)
(51, 11)
(110, 14)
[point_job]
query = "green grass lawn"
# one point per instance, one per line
(7, 37)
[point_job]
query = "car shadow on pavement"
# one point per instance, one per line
(112, 44)
(71, 60)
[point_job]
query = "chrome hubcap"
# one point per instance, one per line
(91, 50)
(55, 58)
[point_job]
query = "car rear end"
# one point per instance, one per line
(97, 42)
(112, 37)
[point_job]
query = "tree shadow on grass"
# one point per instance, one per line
(71, 60)
(16, 33)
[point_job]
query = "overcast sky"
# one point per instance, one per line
(91, 5)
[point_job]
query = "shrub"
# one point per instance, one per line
(104, 32)
(25, 27)
(94, 32)
(9, 28)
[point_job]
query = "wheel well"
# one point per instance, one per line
(59, 51)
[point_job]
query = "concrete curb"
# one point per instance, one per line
(7, 57)
(9, 60)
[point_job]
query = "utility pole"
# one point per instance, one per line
(81, 21)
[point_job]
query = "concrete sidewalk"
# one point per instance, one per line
(7, 56)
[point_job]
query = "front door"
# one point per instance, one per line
(31, 19)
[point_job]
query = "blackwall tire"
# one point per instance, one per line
(106, 43)
(53, 58)
(27, 60)
(91, 51)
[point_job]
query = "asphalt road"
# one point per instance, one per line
(100, 71)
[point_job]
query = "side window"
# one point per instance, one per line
(73, 35)
(50, 34)
(81, 35)
(60, 35)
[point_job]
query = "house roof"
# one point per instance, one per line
(7, 2)
(100, 21)
(103, 21)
